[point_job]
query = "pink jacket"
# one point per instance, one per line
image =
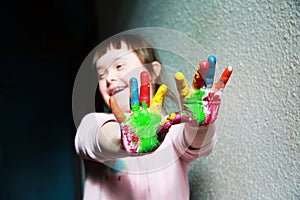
(162, 174)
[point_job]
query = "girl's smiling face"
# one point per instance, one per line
(115, 69)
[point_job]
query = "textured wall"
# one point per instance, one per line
(257, 155)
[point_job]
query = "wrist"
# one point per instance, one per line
(109, 137)
(196, 128)
(198, 136)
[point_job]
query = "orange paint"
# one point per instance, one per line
(120, 116)
(221, 83)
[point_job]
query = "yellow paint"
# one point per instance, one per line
(182, 86)
(156, 103)
(171, 116)
(164, 122)
(196, 77)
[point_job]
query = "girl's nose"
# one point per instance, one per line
(111, 77)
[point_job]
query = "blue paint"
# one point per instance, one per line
(209, 80)
(118, 166)
(134, 92)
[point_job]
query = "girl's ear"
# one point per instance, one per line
(156, 69)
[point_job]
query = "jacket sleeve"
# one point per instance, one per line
(189, 154)
(86, 142)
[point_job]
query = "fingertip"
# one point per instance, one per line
(209, 80)
(227, 72)
(179, 76)
(221, 83)
(204, 64)
(230, 68)
(161, 92)
(144, 76)
(164, 87)
(134, 82)
(200, 74)
(156, 104)
(212, 59)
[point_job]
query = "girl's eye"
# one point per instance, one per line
(101, 75)
(120, 66)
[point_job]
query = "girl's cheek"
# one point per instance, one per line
(103, 93)
(101, 87)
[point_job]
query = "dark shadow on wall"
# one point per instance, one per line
(42, 46)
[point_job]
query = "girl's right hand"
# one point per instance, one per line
(139, 128)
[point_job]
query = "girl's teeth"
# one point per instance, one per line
(118, 90)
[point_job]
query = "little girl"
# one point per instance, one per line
(111, 172)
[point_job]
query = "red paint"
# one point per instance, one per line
(145, 88)
(200, 74)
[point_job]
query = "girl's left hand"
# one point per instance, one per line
(200, 104)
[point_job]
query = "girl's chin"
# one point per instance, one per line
(123, 99)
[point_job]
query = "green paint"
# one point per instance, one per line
(194, 103)
(145, 125)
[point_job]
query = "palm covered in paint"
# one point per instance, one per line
(140, 129)
(200, 104)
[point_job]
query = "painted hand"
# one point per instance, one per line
(200, 105)
(140, 129)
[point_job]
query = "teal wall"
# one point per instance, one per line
(257, 155)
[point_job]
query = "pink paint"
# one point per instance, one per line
(213, 105)
(130, 142)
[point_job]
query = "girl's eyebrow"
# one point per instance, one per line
(118, 59)
(113, 61)
(111, 57)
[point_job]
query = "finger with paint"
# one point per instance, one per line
(120, 116)
(209, 79)
(134, 95)
(182, 87)
(157, 101)
(200, 74)
(221, 83)
(145, 88)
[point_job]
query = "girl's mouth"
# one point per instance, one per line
(116, 90)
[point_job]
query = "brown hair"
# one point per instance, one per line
(136, 43)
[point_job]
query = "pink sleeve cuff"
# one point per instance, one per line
(190, 154)
(86, 142)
